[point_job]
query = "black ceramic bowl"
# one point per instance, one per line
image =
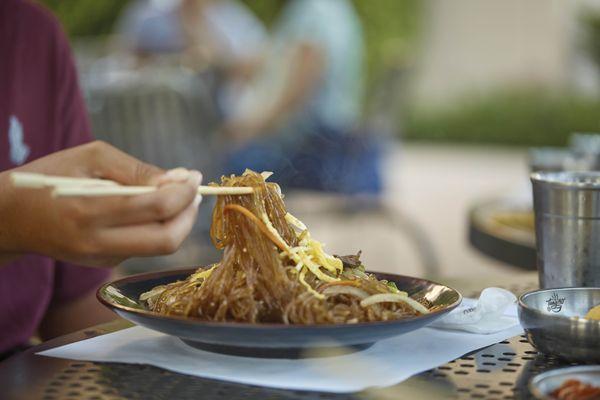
(268, 339)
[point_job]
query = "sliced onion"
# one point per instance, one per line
(394, 298)
(266, 174)
(154, 292)
(202, 273)
(295, 222)
(351, 290)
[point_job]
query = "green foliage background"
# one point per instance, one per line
(526, 116)
(86, 17)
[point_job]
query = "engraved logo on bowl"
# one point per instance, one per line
(555, 303)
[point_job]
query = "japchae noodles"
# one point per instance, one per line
(272, 270)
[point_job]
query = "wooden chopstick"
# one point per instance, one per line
(86, 187)
(33, 180)
(98, 191)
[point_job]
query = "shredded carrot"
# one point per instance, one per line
(354, 283)
(261, 225)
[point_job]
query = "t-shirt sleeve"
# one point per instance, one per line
(310, 22)
(71, 281)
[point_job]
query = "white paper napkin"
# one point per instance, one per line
(384, 364)
(485, 316)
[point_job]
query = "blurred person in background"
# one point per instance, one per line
(300, 118)
(223, 35)
(45, 242)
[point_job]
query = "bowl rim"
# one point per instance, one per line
(534, 381)
(246, 325)
(522, 305)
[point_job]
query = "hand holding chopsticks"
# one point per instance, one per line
(87, 187)
(100, 231)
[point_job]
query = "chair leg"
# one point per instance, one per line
(413, 230)
(349, 207)
(405, 224)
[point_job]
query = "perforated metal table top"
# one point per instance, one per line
(501, 371)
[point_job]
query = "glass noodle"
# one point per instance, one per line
(273, 271)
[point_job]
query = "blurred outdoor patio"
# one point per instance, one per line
(454, 111)
(434, 185)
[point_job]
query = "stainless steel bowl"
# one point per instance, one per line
(554, 324)
(542, 385)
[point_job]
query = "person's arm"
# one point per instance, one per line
(98, 231)
(70, 316)
(306, 70)
(86, 231)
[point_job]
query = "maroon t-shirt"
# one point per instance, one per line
(41, 111)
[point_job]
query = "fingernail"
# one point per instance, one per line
(197, 200)
(196, 177)
(177, 175)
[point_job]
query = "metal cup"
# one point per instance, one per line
(548, 158)
(567, 225)
(585, 152)
(585, 143)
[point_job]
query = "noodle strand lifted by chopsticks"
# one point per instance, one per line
(259, 224)
(273, 271)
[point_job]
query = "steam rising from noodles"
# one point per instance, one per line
(273, 271)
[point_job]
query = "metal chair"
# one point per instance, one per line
(167, 122)
(167, 118)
